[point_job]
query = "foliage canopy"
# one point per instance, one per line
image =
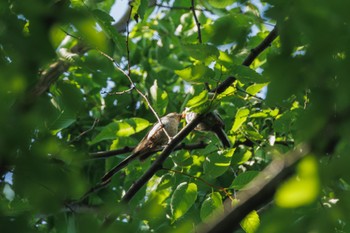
(78, 90)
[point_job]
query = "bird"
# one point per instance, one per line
(152, 141)
(211, 122)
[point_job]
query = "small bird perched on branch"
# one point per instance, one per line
(154, 140)
(211, 122)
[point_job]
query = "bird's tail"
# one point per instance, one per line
(118, 167)
(220, 133)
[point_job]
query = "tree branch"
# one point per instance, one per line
(257, 192)
(254, 53)
(197, 21)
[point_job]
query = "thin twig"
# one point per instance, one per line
(119, 92)
(134, 87)
(254, 53)
(85, 132)
(197, 21)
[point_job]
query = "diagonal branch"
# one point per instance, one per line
(254, 53)
(197, 21)
(258, 192)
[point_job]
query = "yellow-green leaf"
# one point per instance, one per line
(217, 164)
(240, 118)
(251, 222)
(211, 205)
(122, 128)
(301, 189)
(183, 198)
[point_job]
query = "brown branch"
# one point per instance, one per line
(257, 193)
(86, 131)
(254, 53)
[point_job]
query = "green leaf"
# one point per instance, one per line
(221, 3)
(64, 120)
(198, 73)
(301, 189)
(246, 75)
(106, 22)
(211, 205)
(255, 88)
(241, 157)
(243, 179)
(228, 29)
(159, 98)
(135, 7)
(284, 122)
(217, 164)
(122, 128)
(183, 198)
(198, 100)
(87, 30)
(251, 222)
(240, 118)
(202, 52)
(166, 181)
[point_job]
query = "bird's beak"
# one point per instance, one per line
(183, 115)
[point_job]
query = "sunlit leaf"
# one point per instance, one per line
(198, 100)
(246, 75)
(87, 30)
(241, 116)
(196, 74)
(242, 156)
(202, 52)
(159, 98)
(217, 164)
(251, 222)
(182, 200)
(211, 205)
(221, 4)
(122, 128)
(255, 88)
(243, 179)
(301, 189)
(227, 29)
